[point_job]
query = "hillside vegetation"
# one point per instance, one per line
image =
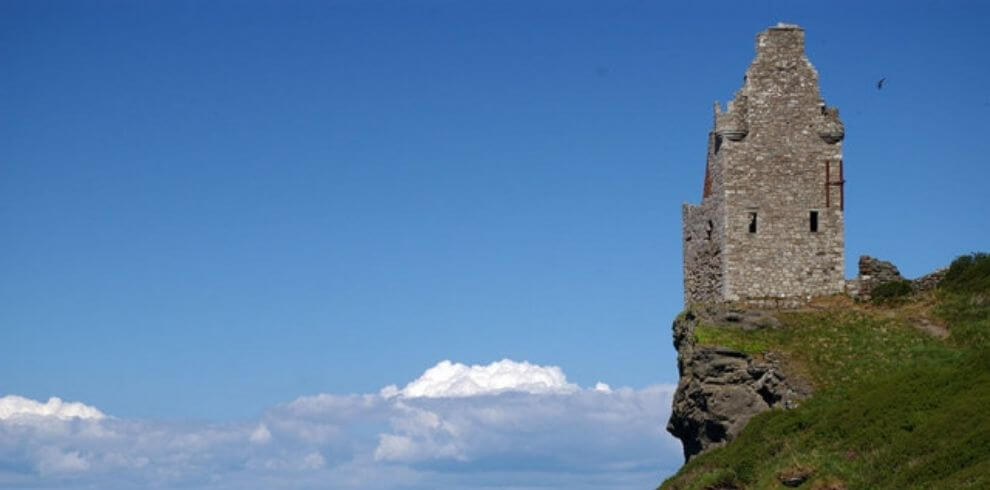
(902, 394)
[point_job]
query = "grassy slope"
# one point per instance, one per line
(895, 407)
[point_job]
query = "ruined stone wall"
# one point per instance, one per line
(929, 281)
(703, 264)
(874, 272)
(704, 237)
(770, 152)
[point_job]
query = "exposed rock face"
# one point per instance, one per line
(720, 389)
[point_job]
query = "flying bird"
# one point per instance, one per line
(880, 83)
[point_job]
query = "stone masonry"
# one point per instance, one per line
(770, 223)
(874, 272)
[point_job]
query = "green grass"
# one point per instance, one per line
(965, 300)
(923, 427)
(891, 292)
(968, 273)
(894, 406)
(833, 347)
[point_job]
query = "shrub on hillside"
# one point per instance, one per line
(968, 273)
(890, 292)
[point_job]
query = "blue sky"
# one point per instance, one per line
(213, 209)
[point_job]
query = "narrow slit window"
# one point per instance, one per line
(752, 222)
(813, 221)
(708, 230)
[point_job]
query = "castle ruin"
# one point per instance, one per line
(770, 224)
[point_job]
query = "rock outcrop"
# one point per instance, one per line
(720, 389)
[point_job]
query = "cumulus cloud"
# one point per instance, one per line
(261, 435)
(14, 407)
(52, 460)
(449, 379)
(505, 424)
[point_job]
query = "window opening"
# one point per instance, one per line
(708, 230)
(814, 221)
(752, 222)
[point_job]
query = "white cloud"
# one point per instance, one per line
(13, 407)
(507, 424)
(52, 460)
(261, 435)
(313, 461)
(448, 379)
(395, 448)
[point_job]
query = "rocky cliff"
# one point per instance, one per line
(720, 389)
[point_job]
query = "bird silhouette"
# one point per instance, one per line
(880, 83)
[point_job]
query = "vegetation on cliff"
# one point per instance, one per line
(902, 391)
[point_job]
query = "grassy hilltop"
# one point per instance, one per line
(902, 394)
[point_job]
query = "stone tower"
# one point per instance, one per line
(770, 224)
